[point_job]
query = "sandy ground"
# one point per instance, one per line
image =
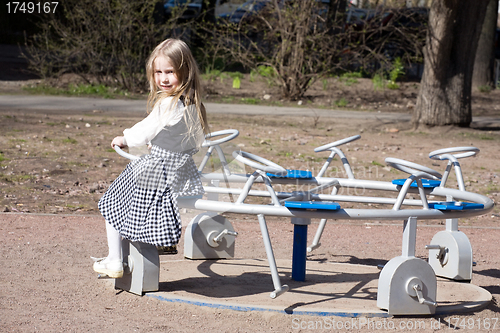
(55, 166)
(48, 284)
(47, 281)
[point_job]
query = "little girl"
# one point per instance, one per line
(141, 204)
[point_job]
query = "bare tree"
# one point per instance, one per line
(451, 43)
(290, 38)
(105, 42)
(303, 41)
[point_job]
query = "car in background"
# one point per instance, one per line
(246, 11)
(192, 8)
(360, 18)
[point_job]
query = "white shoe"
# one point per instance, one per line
(111, 268)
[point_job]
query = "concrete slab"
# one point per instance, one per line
(330, 289)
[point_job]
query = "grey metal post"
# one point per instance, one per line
(409, 237)
(279, 289)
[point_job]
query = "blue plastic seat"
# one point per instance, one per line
(324, 205)
(294, 174)
(426, 183)
(455, 205)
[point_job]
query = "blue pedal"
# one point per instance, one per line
(455, 205)
(324, 205)
(295, 174)
(426, 183)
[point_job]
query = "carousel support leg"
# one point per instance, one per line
(278, 288)
(315, 243)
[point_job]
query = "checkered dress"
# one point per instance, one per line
(142, 202)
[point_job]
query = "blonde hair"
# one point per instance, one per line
(180, 57)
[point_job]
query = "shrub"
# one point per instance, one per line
(396, 72)
(378, 82)
(104, 42)
(289, 43)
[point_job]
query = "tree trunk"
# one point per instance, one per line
(451, 43)
(484, 65)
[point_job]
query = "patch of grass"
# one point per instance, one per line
(353, 75)
(2, 158)
(325, 84)
(316, 159)
(223, 76)
(285, 153)
(228, 99)
(484, 89)
(413, 133)
(392, 85)
(214, 163)
(378, 82)
(77, 90)
(350, 78)
(267, 72)
(79, 164)
(235, 75)
(43, 89)
(253, 74)
(491, 188)
(349, 82)
(250, 100)
(69, 140)
(479, 136)
(310, 158)
(73, 207)
(16, 178)
(211, 74)
(377, 164)
(341, 102)
(397, 71)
